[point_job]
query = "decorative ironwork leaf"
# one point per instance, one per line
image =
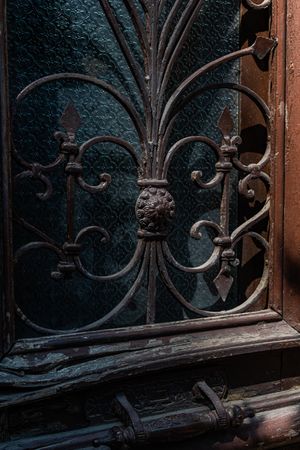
(225, 123)
(70, 119)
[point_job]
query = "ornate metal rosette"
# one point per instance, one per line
(155, 208)
(155, 205)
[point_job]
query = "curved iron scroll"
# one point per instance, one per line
(155, 206)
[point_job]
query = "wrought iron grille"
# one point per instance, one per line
(159, 30)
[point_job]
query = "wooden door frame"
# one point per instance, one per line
(7, 315)
(291, 244)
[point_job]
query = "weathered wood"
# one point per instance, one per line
(142, 332)
(292, 170)
(278, 111)
(47, 375)
(152, 393)
(6, 281)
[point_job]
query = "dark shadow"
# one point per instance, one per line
(254, 23)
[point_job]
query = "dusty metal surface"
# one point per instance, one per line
(178, 427)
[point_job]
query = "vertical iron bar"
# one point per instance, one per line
(153, 84)
(131, 61)
(70, 205)
(225, 204)
(152, 276)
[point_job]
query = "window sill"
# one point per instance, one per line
(70, 369)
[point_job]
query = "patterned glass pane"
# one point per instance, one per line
(126, 195)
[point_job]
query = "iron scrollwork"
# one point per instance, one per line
(261, 5)
(155, 206)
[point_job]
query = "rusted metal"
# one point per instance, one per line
(178, 427)
(260, 5)
(155, 207)
(136, 433)
(275, 424)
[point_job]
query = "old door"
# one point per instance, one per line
(150, 288)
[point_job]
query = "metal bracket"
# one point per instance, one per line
(176, 427)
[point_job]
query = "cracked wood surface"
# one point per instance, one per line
(42, 375)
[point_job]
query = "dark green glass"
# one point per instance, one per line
(51, 36)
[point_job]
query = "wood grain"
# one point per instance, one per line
(292, 170)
